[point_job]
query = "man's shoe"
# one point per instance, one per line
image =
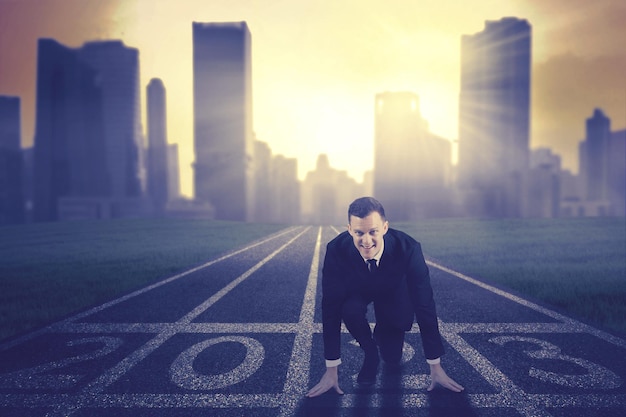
(369, 370)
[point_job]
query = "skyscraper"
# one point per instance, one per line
(69, 149)
(595, 156)
(88, 129)
(286, 190)
(157, 144)
(173, 172)
(11, 162)
(117, 68)
(494, 116)
(616, 172)
(223, 139)
(411, 165)
(265, 206)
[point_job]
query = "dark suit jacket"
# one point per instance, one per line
(400, 289)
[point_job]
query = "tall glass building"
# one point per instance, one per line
(11, 162)
(87, 128)
(494, 116)
(157, 144)
(223, 140)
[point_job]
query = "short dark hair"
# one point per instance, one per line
(364, 206)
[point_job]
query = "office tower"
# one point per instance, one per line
(616, 182)
(544, 191)
(277, 196)
(117, 68)
(173, 172)
(595, 156)
(11, 162)
(411, 165)
(69, 149)
(88, 131)
(157, 144)
(264, 201)
(286, 190)
(223, 140)
(494, 116)
(602, 157)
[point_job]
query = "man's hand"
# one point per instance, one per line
(329, 380)
(439, 377)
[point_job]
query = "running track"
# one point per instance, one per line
(241, 336)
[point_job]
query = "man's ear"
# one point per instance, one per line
(385, 227)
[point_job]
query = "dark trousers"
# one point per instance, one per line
(388, 338)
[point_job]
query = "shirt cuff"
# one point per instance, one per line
(332, 363)
(436, 361)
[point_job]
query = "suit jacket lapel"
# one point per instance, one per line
(386, 261)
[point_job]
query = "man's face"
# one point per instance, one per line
(367, 233)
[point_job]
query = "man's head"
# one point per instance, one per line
(367, 225)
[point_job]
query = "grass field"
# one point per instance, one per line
(52, 269)
(49, 270)
(577, 265)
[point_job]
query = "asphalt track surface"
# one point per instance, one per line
(241, 336)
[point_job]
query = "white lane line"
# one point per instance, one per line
(293, 328)
(136, 400)
(511, 393)
(53, 327)
(122, 367)
(297, 377)
(221, 293)
(553, 314)
(178, 276)
(587, 402)
(335, 229)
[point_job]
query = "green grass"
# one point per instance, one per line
(577, 265)
(50, 270)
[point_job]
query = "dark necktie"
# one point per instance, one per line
(371, 265)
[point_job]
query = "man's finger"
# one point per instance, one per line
(339, 391)
(453, 385)
(449, 384)
(314, 392)
(317, 390)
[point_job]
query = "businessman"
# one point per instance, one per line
(372, 263)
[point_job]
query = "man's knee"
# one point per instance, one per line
(390, 341)
(354, 309)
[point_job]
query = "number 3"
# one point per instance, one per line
(597, 376)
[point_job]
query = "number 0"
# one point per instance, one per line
(185, 376)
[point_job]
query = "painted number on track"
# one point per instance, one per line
(184, 375)
(39, 377)
(597, 376)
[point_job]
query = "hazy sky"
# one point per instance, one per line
(317, 65)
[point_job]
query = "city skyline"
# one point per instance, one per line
(308, 100)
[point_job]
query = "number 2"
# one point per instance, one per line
(35, 377)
